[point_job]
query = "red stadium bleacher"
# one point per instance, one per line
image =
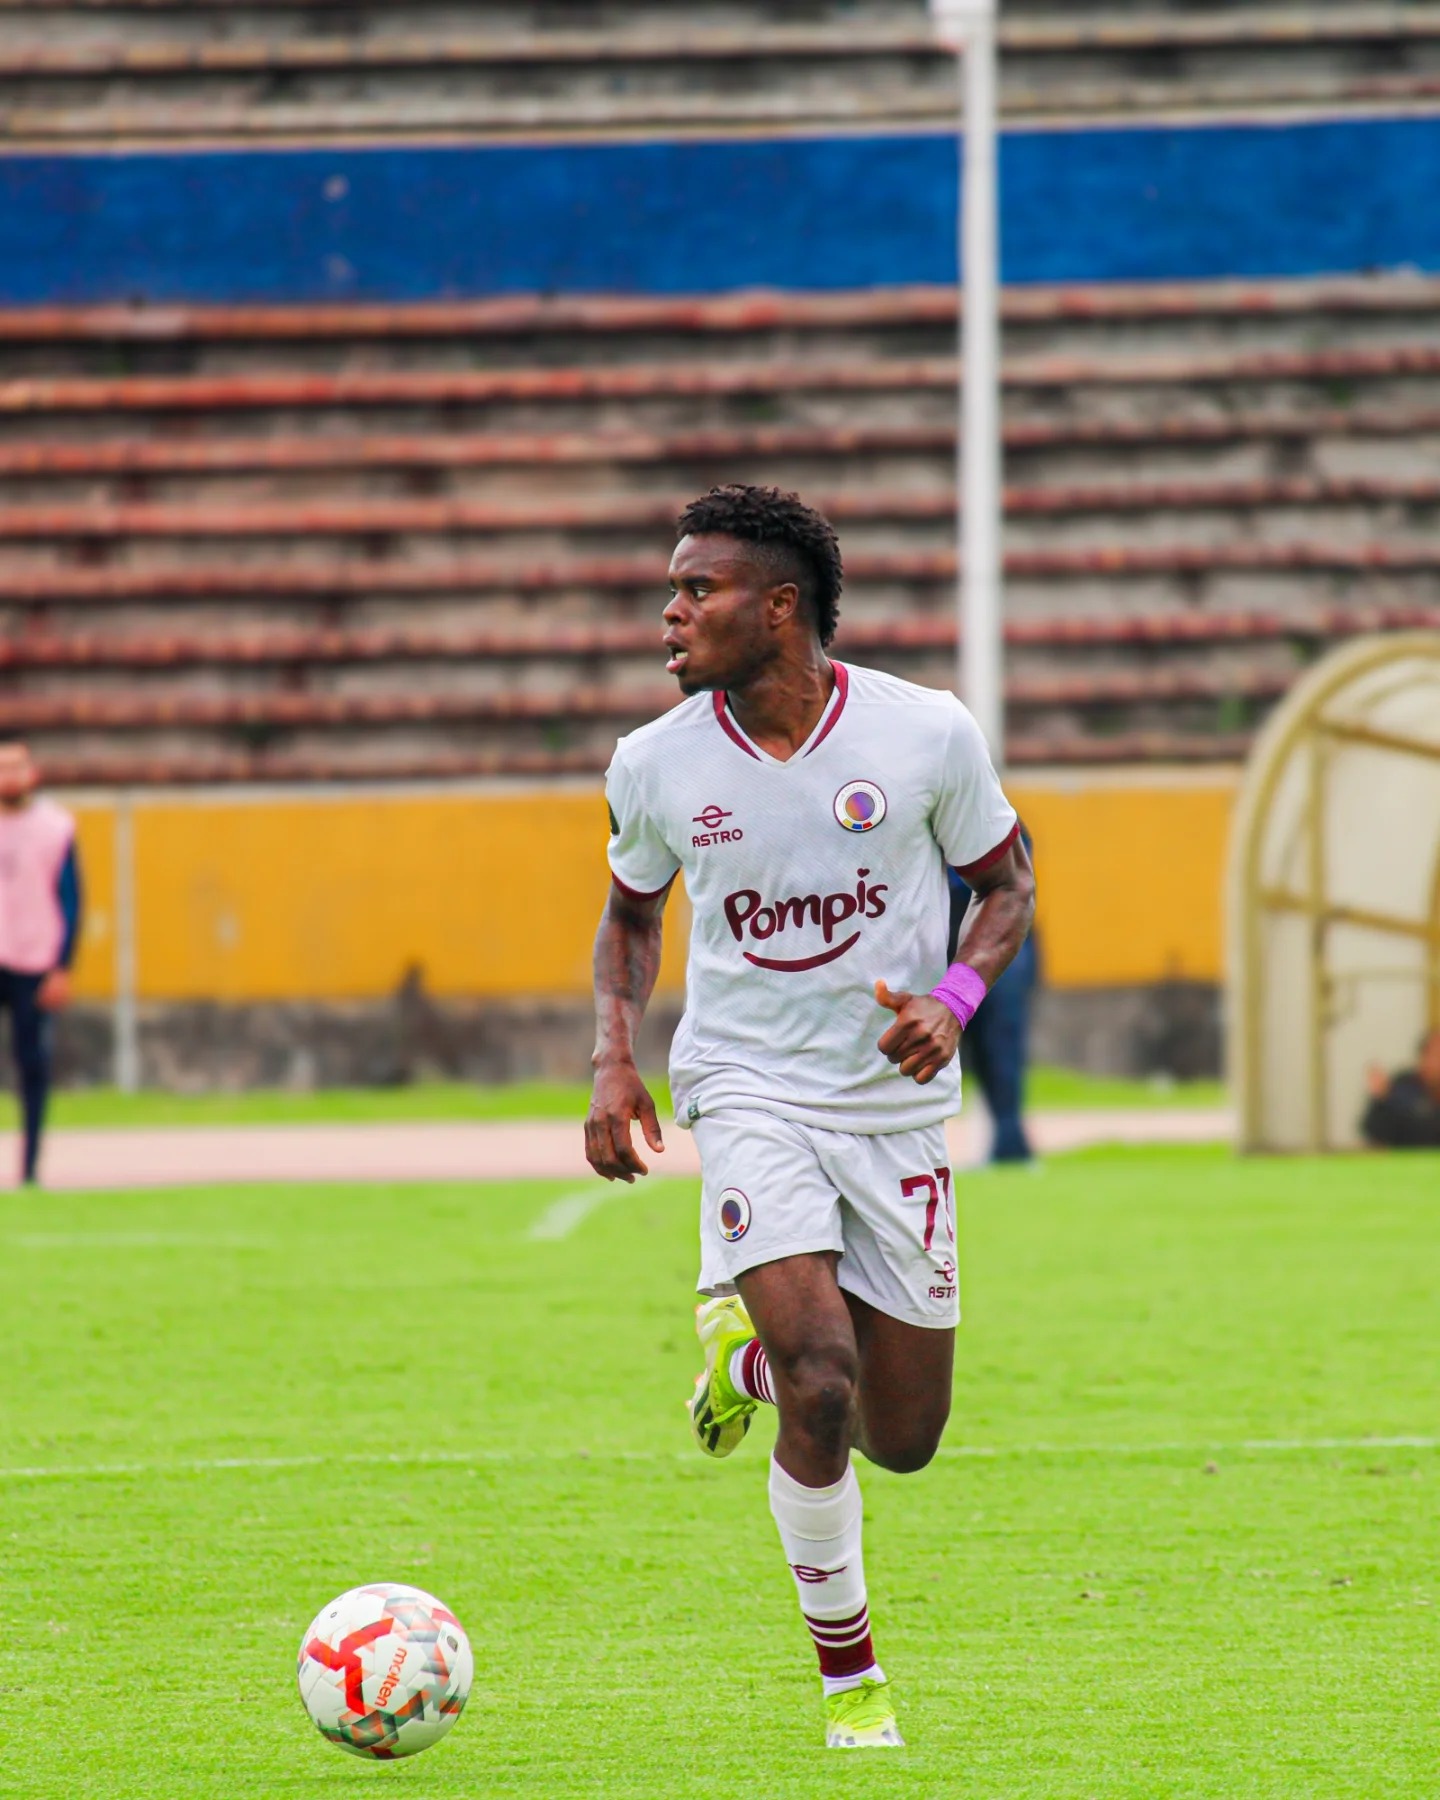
(396, 531)
(198, 72)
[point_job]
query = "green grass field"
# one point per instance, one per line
(1164, 1553)
(81, 1107)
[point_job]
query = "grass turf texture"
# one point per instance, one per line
(1116, 1598)
(82, 1107)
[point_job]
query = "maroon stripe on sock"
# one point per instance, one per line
(755, 1372)
(830, 1626)
(846, 1659)
(838, 1640)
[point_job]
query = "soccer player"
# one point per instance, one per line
(39, 926)
(813, 808)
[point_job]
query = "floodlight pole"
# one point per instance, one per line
(969, 26)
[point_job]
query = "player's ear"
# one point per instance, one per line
(784, 601)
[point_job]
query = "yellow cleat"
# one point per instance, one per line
(862, 1718)
(719, 1415)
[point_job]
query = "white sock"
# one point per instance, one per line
(750, 1371)
(820, 1530)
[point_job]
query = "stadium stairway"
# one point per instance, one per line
(420, 540)
(108, 73)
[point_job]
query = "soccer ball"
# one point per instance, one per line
(385, 1671)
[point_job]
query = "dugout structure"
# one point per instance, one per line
(1334, 902)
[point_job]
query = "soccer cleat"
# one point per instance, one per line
(719, 1415)
(862, 1718)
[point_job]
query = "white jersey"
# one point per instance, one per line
(809, 881)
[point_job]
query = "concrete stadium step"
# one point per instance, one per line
(195, 74)
(538, 333)
(1155, 62)
(642, 576)
(283, 645)
(342, 681)
(201, 21)
(72, 763)
(667, 397)
(1390, 580)
(452, 700)
(1357, 509)
(609, 513)
(198, 73)
(498, 719)
(1365, 443)
(530, 334)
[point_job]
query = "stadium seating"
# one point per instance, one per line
(431, 539)
(107, 72)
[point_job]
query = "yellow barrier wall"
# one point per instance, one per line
(259, 896)
(95, 837)
(1130, 874)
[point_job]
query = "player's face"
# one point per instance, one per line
(716, 622)
(17, 774)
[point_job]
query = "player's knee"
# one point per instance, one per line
(907, 1458)
(819, 1385)
(909, 1444)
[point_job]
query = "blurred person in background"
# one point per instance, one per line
(39, 928)
(1404, 1109)
(998, 1038)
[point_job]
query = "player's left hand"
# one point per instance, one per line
(53, 994)
(924, 1037)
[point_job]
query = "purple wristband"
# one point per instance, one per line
(962, 990)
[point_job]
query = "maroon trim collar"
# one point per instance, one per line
(736, 736)
(842, 689)
(728, 725)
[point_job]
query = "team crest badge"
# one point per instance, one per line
(859, 806)
(734, 1215)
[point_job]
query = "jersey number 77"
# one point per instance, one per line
(930, 1185)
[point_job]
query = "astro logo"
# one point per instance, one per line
(859, 806)
(734, 1215)
(712, 818)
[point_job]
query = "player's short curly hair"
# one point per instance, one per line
(801, 544)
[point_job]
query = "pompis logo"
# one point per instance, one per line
(748, 911)
(859, 806)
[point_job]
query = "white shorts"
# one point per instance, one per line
(772, 1188)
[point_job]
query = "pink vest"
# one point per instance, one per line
(34, 842)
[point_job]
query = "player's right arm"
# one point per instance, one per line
(627, 962)
(643, 867)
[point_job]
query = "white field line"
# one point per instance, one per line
(558, 1220)
(564, 1215)
(463, 1458)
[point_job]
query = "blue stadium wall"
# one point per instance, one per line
(1134, 204)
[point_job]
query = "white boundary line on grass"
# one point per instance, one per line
(562, 1216)
(461, 1458)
